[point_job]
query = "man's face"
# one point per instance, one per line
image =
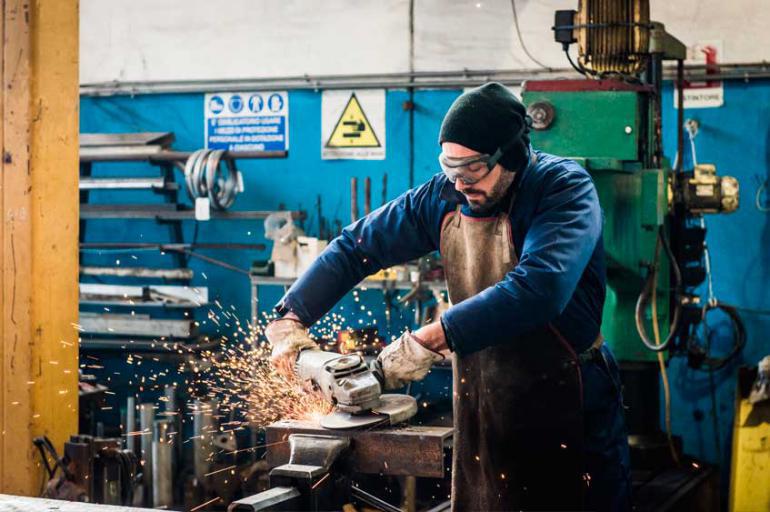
(486, 192)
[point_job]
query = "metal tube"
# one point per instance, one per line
(416, 80)
(101, 155)
(162, 465)
(367, 195)
(146, 418)
(679, 114)
(130, 425)
(353, 199)
(203, 429)
(168, 247)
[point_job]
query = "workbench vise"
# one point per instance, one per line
(307, 481)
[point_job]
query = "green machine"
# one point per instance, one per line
(610, 123)
(605, 126)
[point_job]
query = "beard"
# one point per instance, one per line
(485, 201)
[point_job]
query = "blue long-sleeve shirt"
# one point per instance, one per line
(556, 223)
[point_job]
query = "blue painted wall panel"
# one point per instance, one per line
(734, 137)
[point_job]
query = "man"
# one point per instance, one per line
(537, 407)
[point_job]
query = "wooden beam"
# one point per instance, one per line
(38, 234)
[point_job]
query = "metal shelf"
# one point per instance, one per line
(163, 212)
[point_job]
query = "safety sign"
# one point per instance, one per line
(353, 125)
(247, 121)
(709, 93)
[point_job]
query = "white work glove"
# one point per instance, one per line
(405, 360)
(287, 337)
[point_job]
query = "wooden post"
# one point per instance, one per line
(38, 234)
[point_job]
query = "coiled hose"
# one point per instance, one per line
(205, 176)
(647, 292)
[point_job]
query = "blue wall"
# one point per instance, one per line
(734, 137)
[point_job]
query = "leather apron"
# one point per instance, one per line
(518, 406)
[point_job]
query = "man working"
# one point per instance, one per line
(537, 407)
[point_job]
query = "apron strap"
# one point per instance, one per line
(458, 216)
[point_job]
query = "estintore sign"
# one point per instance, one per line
(247, 121)
(353, 125)
(708, 94)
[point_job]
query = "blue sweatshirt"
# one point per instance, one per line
(556, 224)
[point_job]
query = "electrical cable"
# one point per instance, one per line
(580, 69)
(663, 369)
(205, 176)
(649, 291)
(521, 39)
(757, 198)
(739, 329)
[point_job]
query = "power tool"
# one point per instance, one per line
(355, 390)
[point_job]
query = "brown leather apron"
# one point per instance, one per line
(517, 407)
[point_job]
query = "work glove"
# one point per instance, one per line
(405, 360)
(287, 337)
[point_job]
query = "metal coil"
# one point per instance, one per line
(613, 35)
(205, 176)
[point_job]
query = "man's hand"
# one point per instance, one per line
(432, 337)
(287, 336)
(405, 360)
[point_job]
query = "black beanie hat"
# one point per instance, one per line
(487, 118)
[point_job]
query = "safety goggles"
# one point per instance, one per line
(471, 169)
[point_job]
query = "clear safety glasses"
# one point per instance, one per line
(469, 170)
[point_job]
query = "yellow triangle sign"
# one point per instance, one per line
(353, 129)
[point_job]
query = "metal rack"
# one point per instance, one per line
(177, 297)
(385, 285)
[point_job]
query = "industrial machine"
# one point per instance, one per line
(610, 122)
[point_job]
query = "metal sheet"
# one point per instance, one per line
(155, 273)
(411, 450)
(157, 211)
(126, 184)
(126, 139)
(171, 294)
(131, 326)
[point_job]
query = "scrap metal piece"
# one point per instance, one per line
(277, 498)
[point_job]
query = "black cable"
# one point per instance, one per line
(649, 286)
(580, 69)
(521, 39)
(739, 337)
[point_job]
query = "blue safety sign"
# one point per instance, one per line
(247, 121)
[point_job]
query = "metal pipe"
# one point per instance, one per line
(367, 195)
(130, 426)
(353, 199)
(168, 247)
(679, 114)
(384, 188)
(417, 80)
(203, 429)
(162, 465)
(146, 418)
(103, 155)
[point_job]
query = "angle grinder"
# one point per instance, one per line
(354, 389)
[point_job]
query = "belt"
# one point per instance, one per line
(594, 352)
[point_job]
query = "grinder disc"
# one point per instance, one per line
(391, 410)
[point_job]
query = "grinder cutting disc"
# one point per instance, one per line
(392, 409)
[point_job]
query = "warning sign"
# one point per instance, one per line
(353, 125)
